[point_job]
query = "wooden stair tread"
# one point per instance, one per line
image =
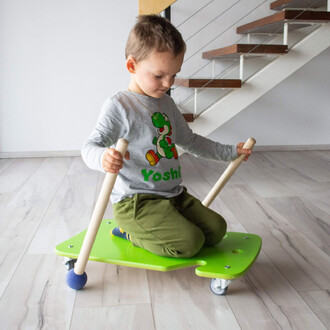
(234, 51)
(281, 4)
(189, 117)
(274, 23)
(208, 83)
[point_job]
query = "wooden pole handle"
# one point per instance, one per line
(250, 142)
(98, 213)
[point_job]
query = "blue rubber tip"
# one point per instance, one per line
(75, 281)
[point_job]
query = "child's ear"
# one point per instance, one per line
(131, 64)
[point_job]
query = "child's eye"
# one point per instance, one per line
(158, 77)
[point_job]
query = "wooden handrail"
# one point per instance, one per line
(147, 7)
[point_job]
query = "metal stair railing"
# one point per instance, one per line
(242, 57)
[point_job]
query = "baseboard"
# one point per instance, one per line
(312, 147)
(76, 153)
(40, 154)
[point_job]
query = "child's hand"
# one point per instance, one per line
(242, 151)
(112, 160)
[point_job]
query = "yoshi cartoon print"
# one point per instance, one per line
(164, 148)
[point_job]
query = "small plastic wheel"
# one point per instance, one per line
(218, 287)
(69, 264)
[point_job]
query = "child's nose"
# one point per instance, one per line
(168, 82)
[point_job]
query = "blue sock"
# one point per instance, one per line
(120, 233)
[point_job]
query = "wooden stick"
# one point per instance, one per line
(98, 213)
(227, 174)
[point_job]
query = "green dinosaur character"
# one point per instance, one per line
(164, 146)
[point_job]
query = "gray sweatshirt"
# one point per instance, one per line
(153, 127)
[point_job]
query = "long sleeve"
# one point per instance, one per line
(109, 128)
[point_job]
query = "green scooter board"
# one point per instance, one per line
(228, 260)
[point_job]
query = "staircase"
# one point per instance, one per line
(241, 93)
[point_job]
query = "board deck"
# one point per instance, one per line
(230, 259)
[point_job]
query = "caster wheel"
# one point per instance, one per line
(219, 286)
(69, 264)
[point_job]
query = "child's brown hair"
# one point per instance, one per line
(153, 33)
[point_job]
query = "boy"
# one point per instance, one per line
(151, 207)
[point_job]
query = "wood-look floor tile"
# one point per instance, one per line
(282, 196)
(137, 317)
(37, 296)
(112, 285)
(21, 217)
(182, 300)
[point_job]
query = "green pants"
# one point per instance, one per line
(171, 227)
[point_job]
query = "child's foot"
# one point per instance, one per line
(120, 233)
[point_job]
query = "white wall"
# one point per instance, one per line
(59, 61)
(294, 113)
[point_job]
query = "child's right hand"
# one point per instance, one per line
(241, 151)
(112, 160)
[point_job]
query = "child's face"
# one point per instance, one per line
(154, 75)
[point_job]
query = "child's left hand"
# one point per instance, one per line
(241, 151)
